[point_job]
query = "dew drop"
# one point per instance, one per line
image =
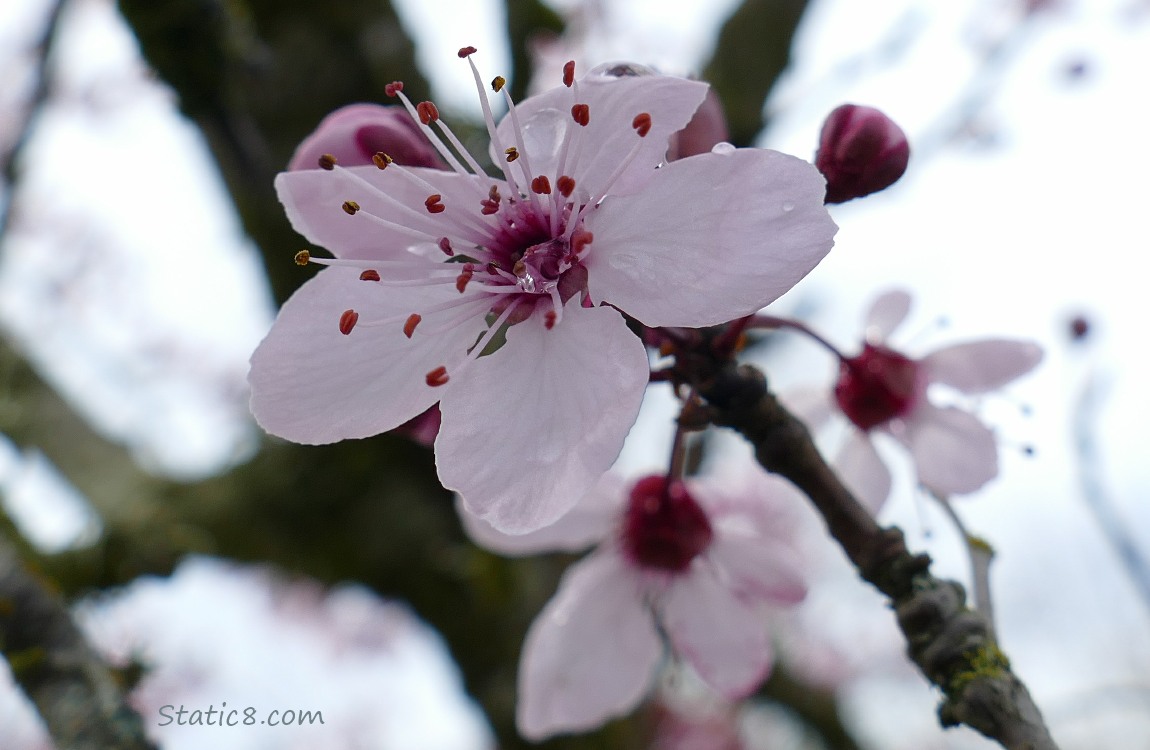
(723, 148)
(788, 206)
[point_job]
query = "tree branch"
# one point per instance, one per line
(952, 645)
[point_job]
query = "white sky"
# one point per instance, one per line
(144, 270)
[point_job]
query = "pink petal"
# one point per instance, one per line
(608, 139)
(863, 471)
(886, 314)
(722, 637)
(981, 366)
(314, 198)
(312, 384)
(953, 451)
(813, 406)
(589, 522)
(590, 654)
(729, 232)
(529, 429)
(759, 566)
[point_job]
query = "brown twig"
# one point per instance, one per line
(951, 644)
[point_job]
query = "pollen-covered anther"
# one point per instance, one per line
(428, 112)
(512, 153)
(445, 246)
(437, 377)
(497, 83)
(351, 208)
(410, 324)
(541, 185)
(642, 124)
(347, 321)
(302, 258)
(568, 73)
(327, 161)
(464, 277)
(369, 275)
(465, 52)
(549, 320)
(393, 88)
(581, 113)
(566, 185)
(580, 240)
(381, 160)
(434, 204)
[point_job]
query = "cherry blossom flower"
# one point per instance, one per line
(882, 391)
(500, 299)
(698, 560)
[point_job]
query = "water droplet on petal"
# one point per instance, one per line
(788, 206)
(543, 133)
(723, 148)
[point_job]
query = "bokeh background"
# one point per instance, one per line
(143, 254)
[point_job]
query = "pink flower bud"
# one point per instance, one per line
(706, 128)
(357, 132)
(861, 151)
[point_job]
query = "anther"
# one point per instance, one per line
(381, 160)
(497, 83)
(445, 246)
(489, 207)
(465, 52)
(464, 277)
(580, 240)
(437, 377)
(327, 161)
(347, 321)
(512, 153)
(642, 124)
(369, 275)
(350, 208)
(428, 112)
(568, 73)
(434, 204)
(411, 323)
(541, 185)
(519, 269)
(566, 185)
(302, 258)
(393, 88)
(581, 113)
(549, 320)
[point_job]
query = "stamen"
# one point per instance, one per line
(581, 113)
(512, 153)
(428, 112)
(434, 204)
(642, 124)
(381, 160)
(432, 136)
(351, 208)
(580, 240)
(327, 161)
(514, 115)
(464, 277)
(445, 246)
(392, 89)
(489, 121)
(566, 186)
(497, 83)
(369, 275)
(302, 258)
(347, 321)
(568, 73)
(412, 322)
(549, 320)
(437, 377)
(465, 52)
(541, 185)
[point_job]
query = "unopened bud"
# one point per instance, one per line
(354, 134)
(707, 127)
(861, 151)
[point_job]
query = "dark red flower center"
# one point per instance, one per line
(664, 527)
(877, 386)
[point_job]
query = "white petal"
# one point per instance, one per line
(588, 523)
(529, 429)
(608, 139)
(759, 566)
(314, 198)
(981, 366)
(863, 471)
(953, 451)
(590, 654)
(886, 314)
(722, 637)
(312, 384)
(711, 238)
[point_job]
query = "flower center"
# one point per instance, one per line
(877, 386)
(664, 527)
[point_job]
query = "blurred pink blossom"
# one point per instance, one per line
(357, 132)
(537, 380)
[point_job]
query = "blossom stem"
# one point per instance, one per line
(773, 322)
(980, 554)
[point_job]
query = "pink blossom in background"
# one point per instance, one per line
(357, 132)
(433, 266)
(882, 391)
(694, 560)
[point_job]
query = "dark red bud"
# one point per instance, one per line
(861, 151)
